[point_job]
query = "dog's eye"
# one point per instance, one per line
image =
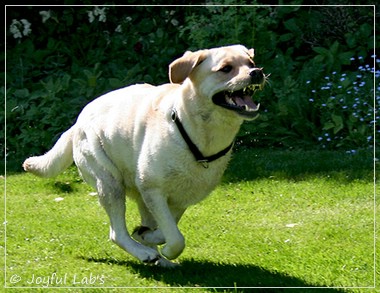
(226, 69)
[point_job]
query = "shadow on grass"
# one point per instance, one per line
(219, 276)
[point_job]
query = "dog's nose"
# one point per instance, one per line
(257, 75)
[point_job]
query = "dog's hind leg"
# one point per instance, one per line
(115, 209)
(99, 171)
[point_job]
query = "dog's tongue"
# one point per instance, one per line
(245, 100)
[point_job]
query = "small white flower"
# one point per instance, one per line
(101, 12)
(292, 225)
(97, 12)
(27, 30)
(14, 29)
(119, 29)
(45, 15)
(16, 26)
(91, 16)
(174, 22)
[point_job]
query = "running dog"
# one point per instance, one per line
(166, 146)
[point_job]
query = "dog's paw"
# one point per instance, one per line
(139, 234)
(147, 236)
(167, 264)
(162, 262)
(174, 250)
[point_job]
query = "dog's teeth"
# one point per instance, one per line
(230, 101)
(248, 109)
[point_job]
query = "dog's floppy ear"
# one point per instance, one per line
(181, 68)
(251, 53)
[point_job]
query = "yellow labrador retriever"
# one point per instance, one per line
(164, 146)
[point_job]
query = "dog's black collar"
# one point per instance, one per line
(199, 157)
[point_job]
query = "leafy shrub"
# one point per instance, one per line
(59, 66)
(60, 59)
(295, 44)
(344, 106)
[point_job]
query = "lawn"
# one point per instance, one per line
(278, 219)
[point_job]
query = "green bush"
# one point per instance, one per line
(342, 107)
(59, 59)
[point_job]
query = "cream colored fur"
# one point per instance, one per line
(125, 143)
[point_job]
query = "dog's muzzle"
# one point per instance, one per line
(240, 100)
(257, 76)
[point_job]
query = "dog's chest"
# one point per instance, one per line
(188, 186)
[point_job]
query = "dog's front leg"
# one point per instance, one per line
(167, 223)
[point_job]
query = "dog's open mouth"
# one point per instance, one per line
(239, 101)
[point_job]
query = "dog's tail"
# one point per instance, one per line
(54, 161)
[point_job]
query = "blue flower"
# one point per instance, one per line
(351, 152)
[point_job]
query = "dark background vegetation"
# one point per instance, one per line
(321, 60)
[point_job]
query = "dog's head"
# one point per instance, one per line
(226, 77)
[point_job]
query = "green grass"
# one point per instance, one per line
(279, 219)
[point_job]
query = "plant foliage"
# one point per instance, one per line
(60, 58)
